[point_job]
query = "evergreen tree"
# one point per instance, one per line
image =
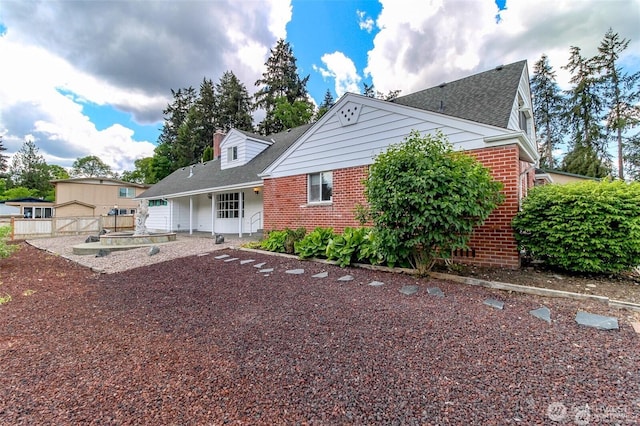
(583, 160)
(547, 109)
(234, 106)
(4, 160)
(29, 169)
(371, 92)
(326, 105)
(279, 81)
(585, 111)
(620, 91)
(206, 107)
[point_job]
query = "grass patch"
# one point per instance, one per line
(5, 299)
(28, 292)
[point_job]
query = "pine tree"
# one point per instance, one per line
(547, 107)
(620, 91)
(326, 105)
(585, 111)
(29, 170)
(280, 80)
(234, 106)
(4, 160)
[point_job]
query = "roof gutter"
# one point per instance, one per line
(246, 185)
(527, 152)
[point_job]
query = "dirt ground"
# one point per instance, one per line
(200, 340)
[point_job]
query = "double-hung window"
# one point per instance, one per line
(125, 192)
(232, 153)
(320, 187)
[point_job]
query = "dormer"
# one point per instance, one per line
(521, 117)
(238, 148)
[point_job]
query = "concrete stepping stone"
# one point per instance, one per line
(345, 278)
(259, 265)
(320, 275)
(265, 271)
(203, 254)
(295, 271)
(636, 326)
(409, 290)
(435, 291)
(376, 283)
(233, 259)
(494, 303)
(244, 262)
(600, 322)
(542, 313)
(222, 256)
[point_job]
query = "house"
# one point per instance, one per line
(546, 176)
(95, 196)
(7, 212)
(312, 175)
(31, 207)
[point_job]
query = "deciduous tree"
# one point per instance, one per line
(90, 166)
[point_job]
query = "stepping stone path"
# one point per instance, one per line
(596, 321)
(543, 313)
(494, 303)
(408, 290)
(435, 291)
(599, 322)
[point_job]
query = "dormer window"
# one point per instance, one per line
(232, 153)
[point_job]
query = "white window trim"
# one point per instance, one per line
(319, 202)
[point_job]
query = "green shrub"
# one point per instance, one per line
(6, 249)
(314, 244)
(344, 247)
(283, 241)
(425, 199)
(591, 227)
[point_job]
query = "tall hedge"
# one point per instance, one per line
(591, 227)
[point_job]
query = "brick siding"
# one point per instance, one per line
(493, 244)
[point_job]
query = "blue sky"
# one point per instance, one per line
(92, 77)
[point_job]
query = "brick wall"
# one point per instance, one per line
(285, 205)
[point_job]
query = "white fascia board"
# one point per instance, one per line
(236, 133)
(527, 152)
(227, 188)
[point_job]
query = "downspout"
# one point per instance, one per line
(213, 214)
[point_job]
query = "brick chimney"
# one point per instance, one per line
(217, 138)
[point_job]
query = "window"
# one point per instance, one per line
(127, 193)
(38, 212)
(156, 203)
(320, 187)
(228, 205)
(232, 153)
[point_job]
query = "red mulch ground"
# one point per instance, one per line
(201, 341)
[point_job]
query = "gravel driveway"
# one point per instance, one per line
(198, 340)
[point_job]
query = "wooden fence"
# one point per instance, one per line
(22, 229)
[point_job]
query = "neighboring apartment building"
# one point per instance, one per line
(95, 196)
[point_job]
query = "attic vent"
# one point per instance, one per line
(442, 85)
(349, 114)
(499, 67)
(190, 171)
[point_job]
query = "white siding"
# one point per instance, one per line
(180, 214)
(247, 149)
(159, 219)
(202, 213)
(332, 146)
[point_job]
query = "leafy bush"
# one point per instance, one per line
(425, 199)
(582, 227)
(283, 241)
(344, 247)
(6, 249)
(314, 244)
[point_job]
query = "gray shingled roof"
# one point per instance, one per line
(209, 175)
(484, 98)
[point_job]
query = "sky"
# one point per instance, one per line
(92, 77)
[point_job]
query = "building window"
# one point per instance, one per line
(37, 212)
(232, 153)
(320, 187)
(228, 205)
(127, 193)
(156, 203)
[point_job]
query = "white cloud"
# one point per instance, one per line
(365, 22)
(420, 44)
(342, 68)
